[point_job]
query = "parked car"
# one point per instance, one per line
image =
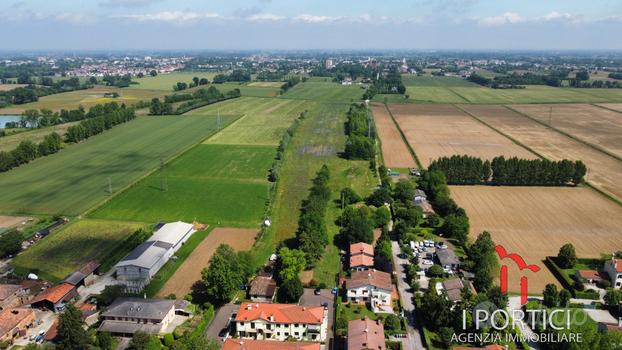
(317, 291)
(428, 262)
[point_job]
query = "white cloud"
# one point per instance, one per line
(307, 18)
(264, 17)
(77, 18)
(126, 3)
(172, 16)
(506, 18)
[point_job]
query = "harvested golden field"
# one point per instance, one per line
(603, 170)
(435, 131)
(394, 150)
(7, 87)
(189, 272)
(616, 106)
(535, 222)
(597, 126)
(12, 221)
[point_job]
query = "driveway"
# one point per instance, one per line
(310, 299)
(412, 326)
(45, 319)
(220, 320)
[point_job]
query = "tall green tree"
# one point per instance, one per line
(224, 275)
(71, 333)
(567, 256)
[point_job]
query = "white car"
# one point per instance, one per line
(428, 262)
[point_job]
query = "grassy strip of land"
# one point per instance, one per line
(64, 251)
(159, 280)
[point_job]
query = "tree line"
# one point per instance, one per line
(391, 83)
(468, 170)
(275, 169)
(361, 134)
(312, 236)
(97, 125)
(238, 75)
(290, 83)
(27, 151)
(196, 81)
(31, 92)
(34, 118)
(199, 98)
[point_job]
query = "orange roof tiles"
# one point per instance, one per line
(366, 334)
(361, 248)
(54, 294)
(280, 313)
(361, 260)
(249, 344)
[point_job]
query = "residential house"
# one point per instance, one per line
(264, 321)
(85, 276)
(365, 334)
(12, 295)
(139, 266)
(127, 316)
(613, 268)
(90, 314)
(262, 289)
(448, 259)
(453, 288)
(421, 200)
(361, 256)
(55, 298)
(371, 287)
(14, 322)
(251, 344)
(589, 276)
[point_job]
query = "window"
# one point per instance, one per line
(253, 325)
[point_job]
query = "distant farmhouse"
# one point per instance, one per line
(139, 266)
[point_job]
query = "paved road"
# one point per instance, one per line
(514, 304)
(310, 299)
(414, 340)
(220, 320)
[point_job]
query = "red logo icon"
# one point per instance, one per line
(520, 262)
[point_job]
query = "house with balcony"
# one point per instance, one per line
(370, 287)
(264, 321)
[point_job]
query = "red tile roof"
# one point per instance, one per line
(590, 274)
(361, 260)
(366, 334)
(361, 248)
(379, 279)
(6, 290)
(9, 318)
(89, 267)
(280, 313)
(617, 263)
(54, 294)
(249, 344)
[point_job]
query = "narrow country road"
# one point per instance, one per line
(514, 304)
(414, 340)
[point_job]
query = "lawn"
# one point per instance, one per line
(77, 178)
(318, 141)
(86, 98)
(264, 120)
(68, 249)
(323, 91)
(213, 184)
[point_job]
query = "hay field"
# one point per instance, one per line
(264, 120)
(394, 151)
(530, 94)
(86, 98)
(603, 170)
(442, 130)
(189, 272)
(594, 125)
(536, 221)
(66, 250)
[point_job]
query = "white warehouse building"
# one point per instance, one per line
(139, 266)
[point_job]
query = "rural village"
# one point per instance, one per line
(311, 201)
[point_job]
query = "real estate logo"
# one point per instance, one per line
(522, 265)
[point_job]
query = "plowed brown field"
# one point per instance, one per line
(443, 130)
(603, 170)
(535, 222)
(189, 272)
(594, 125)
(394, 150)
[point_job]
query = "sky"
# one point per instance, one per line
(311, 24)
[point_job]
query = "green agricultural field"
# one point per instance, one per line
(263, 122)
(215, 184)
(427, 80)
(250, 91)
(320, 91)
(68, 249)
(76, 179)
(531, 94)
(165, 82)
(86, 98)
(433, 94)
(8, 143)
